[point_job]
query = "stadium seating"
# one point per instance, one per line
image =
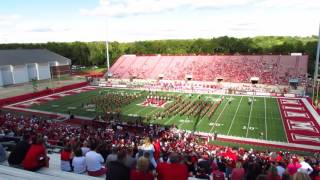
(270, 69)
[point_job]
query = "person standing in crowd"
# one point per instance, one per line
(293, 166)
(173, 171)
(130, 161)
(66, 156)
(117, 170)
(19, 152)
(216, 174)
(112, 157)
(280, 168)
(78, 162)
(305, 167)
(238, 172)
(141, 173)
(94, 161)
(148, 147)
(273, 174)
(301, 176)
(36, 156)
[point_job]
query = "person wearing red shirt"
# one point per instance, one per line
(36, 157)
(216, 174)
(66, 156)
(141, 173)
(157, 150)
(238, 172)
(173, 171)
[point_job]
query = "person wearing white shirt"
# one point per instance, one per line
(94, 161)
(305, 167)
(79, 162)
(280, 169)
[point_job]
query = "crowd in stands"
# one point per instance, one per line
(143, 152)
(269, 69)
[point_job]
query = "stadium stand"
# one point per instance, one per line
(268, 69)
(189, 155)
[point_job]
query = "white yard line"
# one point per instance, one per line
(167, 122)
(219, 116)
(265, 117)
(234, 117)
(249, 117)
(282, 119)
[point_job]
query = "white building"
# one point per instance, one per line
(24, 65)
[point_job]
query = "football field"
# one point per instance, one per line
(241, 116)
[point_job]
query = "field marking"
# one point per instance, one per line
(265, 117)
(207, 112)
(235, 115)
(30, 100)
(249, 118)
(167, 122)
(282, 120)
(219, 116)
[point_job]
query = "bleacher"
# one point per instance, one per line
(51, 173)
(270, 69)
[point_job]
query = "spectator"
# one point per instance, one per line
(117, 170)
(66, 156)
(36, 156)
(205, 164)
(293, 166)
(173, 171)
(19, 152)
(305, 167)
(94, 161)
(201, 174)
(130, 161)
(238, 172)
(79, 162)
(3, 154)
(301, 176)
(112, 157)
(280, 168)
(148, 147)
(141, 173)
(273, 174)
(85, 148)
(216, 174)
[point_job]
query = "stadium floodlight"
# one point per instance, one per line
(107, 44)
(315, 94)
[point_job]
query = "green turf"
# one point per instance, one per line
(260, 119)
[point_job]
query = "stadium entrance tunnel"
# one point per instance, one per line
(160, 76)
(219, 79)
(254, 80)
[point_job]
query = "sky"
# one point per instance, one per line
(35, 21)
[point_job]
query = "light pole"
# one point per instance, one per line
(107, 44)
(316, 73)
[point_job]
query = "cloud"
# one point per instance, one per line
(46, 30)
(140, 7)
(8, 20)
(306, 4)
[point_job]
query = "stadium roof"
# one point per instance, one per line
(25, 56)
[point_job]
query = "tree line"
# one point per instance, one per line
(93, 53)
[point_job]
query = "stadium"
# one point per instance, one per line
(133, 110)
